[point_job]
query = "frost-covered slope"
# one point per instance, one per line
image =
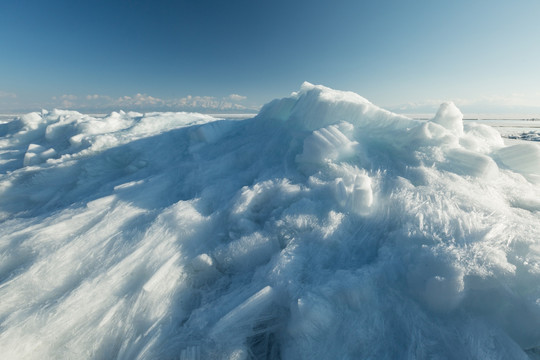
(323, 228)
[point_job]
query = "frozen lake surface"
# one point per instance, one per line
(322, 228)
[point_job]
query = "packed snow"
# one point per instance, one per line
(322, 228)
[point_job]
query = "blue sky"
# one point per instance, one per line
(230, 55)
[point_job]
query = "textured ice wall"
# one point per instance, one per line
(323, 228)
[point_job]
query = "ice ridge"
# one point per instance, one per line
(324, 227)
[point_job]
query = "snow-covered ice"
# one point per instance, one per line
(521, 129)
(322, 228)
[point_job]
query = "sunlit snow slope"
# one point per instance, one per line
(323, 228)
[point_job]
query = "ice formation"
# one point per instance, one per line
(323, 228)
(531, 135)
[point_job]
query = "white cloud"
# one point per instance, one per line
(424, 105)
(68, 97)
(236, 97)
(145, 102)
(95, 97)
(139, 100)
(7, 95)
(66, 101)
(207, 103)
(515, 103)
(513, 100)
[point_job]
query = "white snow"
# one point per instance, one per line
(322, 228)
(450, 117)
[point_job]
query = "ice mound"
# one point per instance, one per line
(450, 117)
(324, 227)
(314, 107)
(523, 158)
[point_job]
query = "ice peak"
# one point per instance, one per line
(316, 106)
(450, 117)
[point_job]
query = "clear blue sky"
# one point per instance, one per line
(484, 55)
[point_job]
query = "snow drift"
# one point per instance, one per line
(323, 228)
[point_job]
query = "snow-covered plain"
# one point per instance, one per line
(322, 228)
